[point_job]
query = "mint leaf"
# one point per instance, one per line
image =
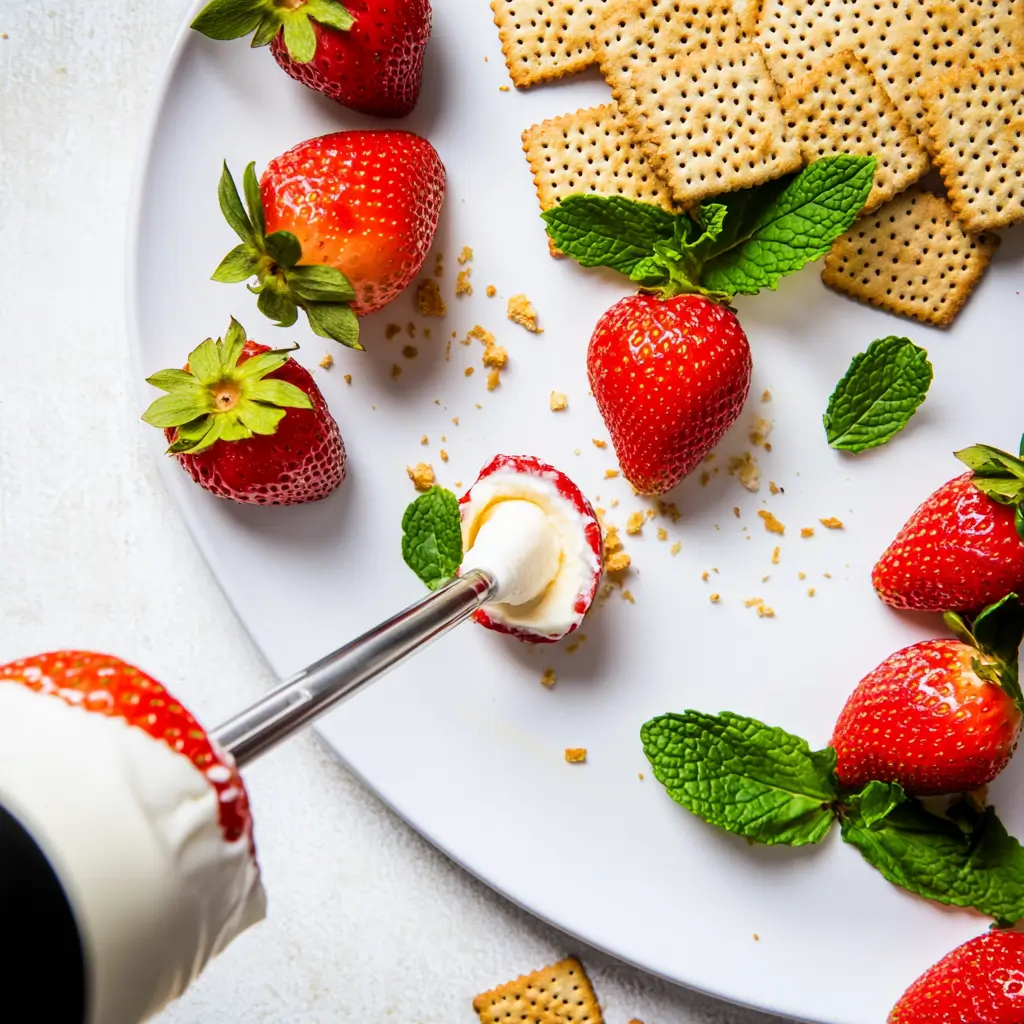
(608, 231)
(432, 537)
(741, 775)
(877, 395)
(793, 227)
(968, 862)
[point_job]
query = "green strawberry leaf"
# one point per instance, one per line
(231, 207)
(239, 265)
(432, 537)
(318, 283)
(998, 475)
(283, 248)
(277, 306)
(254, 202)
(877, 395)
(299, 35)
(996, 631)
(330, 13)
(967, 862)
(743, 776)
(334, 320)
(229, 19)
(232, 19)
(794, 227)
(266, 30)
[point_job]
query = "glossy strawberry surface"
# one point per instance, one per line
(365, 202)
(567, 489)
(980, 982)
(304, 460)
(105, 685)
(959, 550)
(376, 66)
(670, 376)
(925, 719)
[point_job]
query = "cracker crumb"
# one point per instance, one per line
(635, 522)
(521, 311)
(502, 88)
(444, 455)
(627, 596)
(576, 451)
(424, 439)
(574, 755)
(744, 467)
(477, 405)
(766, 395)
(576, 644)
(612, 541)
(410, 351)
(662, 533)
(558, 401)
(640, 776)
(599, 443)
(439, 265)
(715, 598)
(757, 938)
(773, 487)
(759, 431)
(469, 371)
(392, 330)
(705, 575)
(549, 678)
(831, 523)
(753, 602)
(775, 556)
(443, 439)
(705, 478)
(736, 511)
(327, 362)
(493, 380)
(462, 283)
(764, 612)
(827, 575)
(421, 475)
(496, 356)
(428, 298)
(615, 502)
(810, 591)
(396, 371)
(618, 562)
(410, 329)
(348, 378)
(668, 508)
(801, 575)
(807, 531)
(448, 350)
(490, 291)
(675, 549)
(771, 524)
(455, 420)
(466, 256)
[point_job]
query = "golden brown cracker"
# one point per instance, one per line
(559, 994)
(912, 257)
(975, 116)
(840, 108)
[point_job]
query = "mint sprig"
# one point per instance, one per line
(878, 394)
(744, 776)
(736, 245)
(998, 475)
(432, 537)
(284, 284)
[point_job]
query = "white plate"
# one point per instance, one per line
(464, 742)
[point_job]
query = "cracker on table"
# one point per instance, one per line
(840, 108)
(714, 121)
(592, 150)
(911, 257)
(559, 994)
(634, 32)
(976, 118)
(545, 39)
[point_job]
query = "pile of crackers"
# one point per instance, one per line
(711, 96)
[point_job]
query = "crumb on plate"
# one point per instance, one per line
(575, 755)
(558, 401)
(428, 298)
(522, 311)
(771, 524)
(327, 362)
(831, 523)
(421, 475)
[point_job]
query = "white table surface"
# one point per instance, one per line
(367, 922)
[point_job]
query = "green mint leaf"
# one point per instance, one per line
(432, 537)
(229, 19)
(938, 858)
(650, 272)
(299, 35)
(318, 283)
(793, 226)
(231, 207)
(876, 801)
(330, 13)
(284, 248)
(334, 320)
(741, 775)
(608, 231)
(239, 265)
(877, 395)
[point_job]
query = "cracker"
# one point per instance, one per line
(545, 39)
(911, 257)
(634, 32)
(559, 994)
(592, 150)
(715, 119)
(840, 108)
(976, 117)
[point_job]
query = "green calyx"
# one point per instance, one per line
(998, 475)
(219, 399)
(737, 245)
(996, 632)
(264, 19)
(284, 285)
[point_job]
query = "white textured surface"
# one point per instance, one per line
(367, 922)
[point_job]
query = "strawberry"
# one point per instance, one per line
(249, 423)
(941, 716)
(980, 982)
(962, 548)
(670, 376)
(105, 685)
(367, 54)
(337, 226)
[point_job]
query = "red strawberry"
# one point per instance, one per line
(105, 685)
(941, 716)
(670, 376)
(338, 226)
(962, 548)
(367, 55)
(530, 466)
(980, 982)
(249, 423)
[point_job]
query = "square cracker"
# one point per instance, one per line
(976, 118)
(559, 994)
(632, 33)
(590, 151)
(545, 39)
(911, 257)
(840, 108)
(713, 121)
